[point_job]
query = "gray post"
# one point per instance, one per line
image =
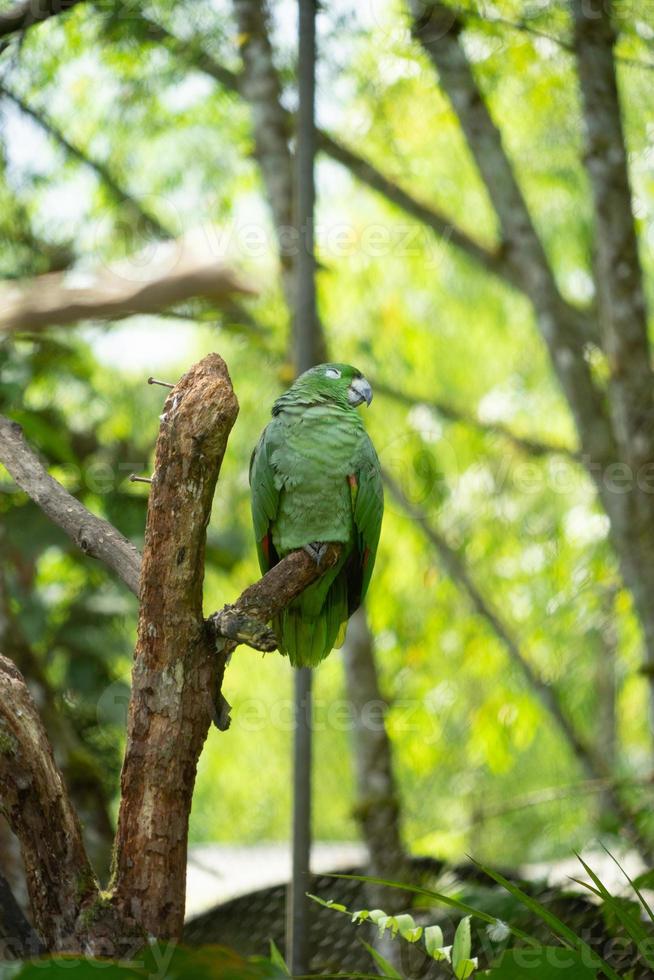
(305, 336)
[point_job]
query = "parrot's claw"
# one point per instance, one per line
(316, 550)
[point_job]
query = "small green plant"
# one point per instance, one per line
(458, 955)
(572, 959)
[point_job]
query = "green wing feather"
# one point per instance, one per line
(315, 622)
(367, 512)
(265, 499)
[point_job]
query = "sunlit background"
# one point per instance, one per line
(482, 766)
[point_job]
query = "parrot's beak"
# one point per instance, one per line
(359, 391)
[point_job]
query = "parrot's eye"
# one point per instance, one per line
(332, 373)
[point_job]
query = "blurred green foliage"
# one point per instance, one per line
(481, 765)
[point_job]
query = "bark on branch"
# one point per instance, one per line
(244, 621)
(33, 797)
(622, 309)
(272, 127)
(176, 669)
(623, 316)
(377, 807)
(175, 276)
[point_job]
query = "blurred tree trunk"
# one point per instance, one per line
(615, 426)
(377, 807)
(606, 688)
(80, 769)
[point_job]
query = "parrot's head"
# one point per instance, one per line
(340, 383)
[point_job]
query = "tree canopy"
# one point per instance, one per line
(468, 265)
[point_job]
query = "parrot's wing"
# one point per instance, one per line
(265, 500)
(367, 511)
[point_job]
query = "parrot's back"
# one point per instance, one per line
(315, 477)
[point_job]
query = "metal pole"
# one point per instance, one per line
(305, 320)
(305, 334)
(297, 943)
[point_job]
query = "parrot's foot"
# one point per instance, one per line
(316, 550)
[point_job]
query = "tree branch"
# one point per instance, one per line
(119, 291)
(493, 262)
(259, 84)
(622, 308)
(242, 621)
(377, 808)
(176, 669)
(29, 12)
(525, 444)
(17, 938)
(562, 326)
(149, 222)
(233, 310)
(85, 782)
(60, 879)
(95, 536)
(272, 126)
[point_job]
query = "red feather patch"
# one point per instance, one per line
(265, 544)
(352, 480)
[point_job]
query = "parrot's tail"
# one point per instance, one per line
(314, 623)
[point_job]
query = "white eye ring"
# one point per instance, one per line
(332, 373)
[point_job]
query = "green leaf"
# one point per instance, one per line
(462, 946)
(433, 939)
(376, 915)
(633, 884)
(438, 897)
(627, 913)
(434, 944)
(465, 969)
(558, 928)
(328, 903)
(385, 922)
(388, 968)
(277, 959)
(407, 928)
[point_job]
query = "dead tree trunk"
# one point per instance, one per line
(178, 665)
(175, 664)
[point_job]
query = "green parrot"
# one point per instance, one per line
(315, 478)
